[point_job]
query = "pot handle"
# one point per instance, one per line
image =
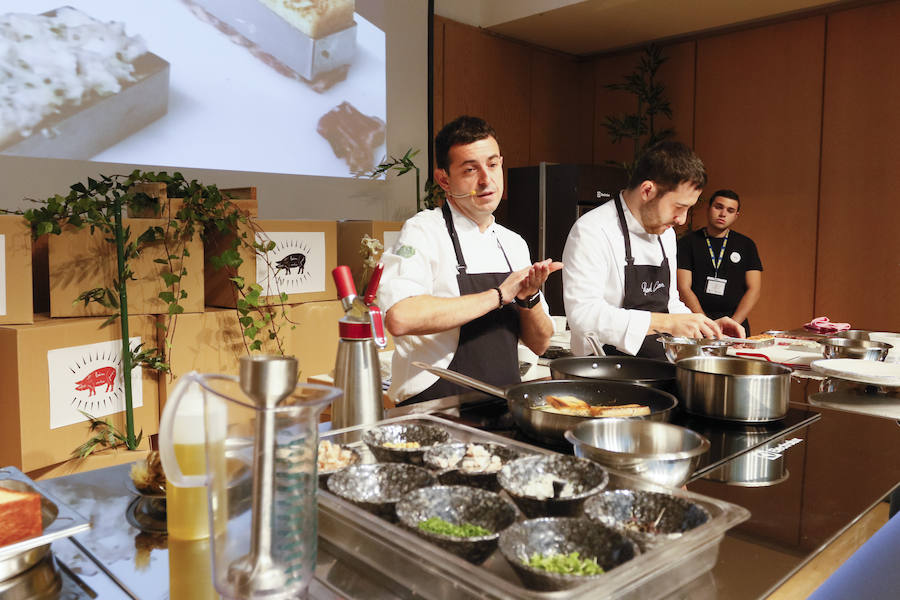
(460, 379)
(167, 457)
(596, 346)
(570, 437)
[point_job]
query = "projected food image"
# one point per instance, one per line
(213, 84)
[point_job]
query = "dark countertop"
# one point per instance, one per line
(837, 468)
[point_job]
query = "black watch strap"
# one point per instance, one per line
(530, 301)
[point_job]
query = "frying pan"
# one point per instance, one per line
(632, 369)
(550, 427)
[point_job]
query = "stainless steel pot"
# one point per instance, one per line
(734, 389)
(659, 452)
(840, 347)
(524, 398)
(630, 369)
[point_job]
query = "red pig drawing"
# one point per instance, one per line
(102, 376)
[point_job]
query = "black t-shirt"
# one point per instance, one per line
(740, 256)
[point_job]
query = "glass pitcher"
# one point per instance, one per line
(260, 441)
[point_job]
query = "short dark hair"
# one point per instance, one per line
(461, 130)
(730, 194)
(668, 165)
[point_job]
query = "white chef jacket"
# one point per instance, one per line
(594, 278)
(422, 261)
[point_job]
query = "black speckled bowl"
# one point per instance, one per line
(586, 477)
(458, 504)
(617, 508)
(562, 536)
(378, 487)
(324, 474)
(425, 434)
(455, 451)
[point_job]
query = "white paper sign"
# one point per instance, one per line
(2, 274)
(390, 238)
(296, 265)
(89, 378)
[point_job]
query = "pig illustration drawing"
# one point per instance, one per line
(98, 377)
(290, 261)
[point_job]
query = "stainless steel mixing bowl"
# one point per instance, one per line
(677, 348)
(659, 452)
(840, 347)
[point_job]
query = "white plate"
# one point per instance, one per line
(864, 371)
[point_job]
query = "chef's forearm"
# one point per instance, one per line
(536, 328)
(422, 315)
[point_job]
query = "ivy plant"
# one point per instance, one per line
(204, 211)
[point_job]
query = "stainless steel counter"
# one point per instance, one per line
(837, 469)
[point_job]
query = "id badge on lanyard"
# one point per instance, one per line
(715, 286)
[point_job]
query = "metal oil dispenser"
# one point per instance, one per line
(357, 371)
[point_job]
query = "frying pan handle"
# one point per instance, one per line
(570, 437)
(460, 379)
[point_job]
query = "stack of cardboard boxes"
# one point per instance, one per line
(59, 366)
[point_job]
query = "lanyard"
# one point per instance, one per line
(716, 263)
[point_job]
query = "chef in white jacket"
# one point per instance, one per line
(620, 261)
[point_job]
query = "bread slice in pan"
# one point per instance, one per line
(570, 405)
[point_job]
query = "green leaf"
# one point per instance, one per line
(170, 278)
(256, 345)
(167, 296)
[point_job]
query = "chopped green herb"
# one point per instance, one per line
(566, 564)
(442, 527)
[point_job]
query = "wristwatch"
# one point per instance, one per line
(530, 301)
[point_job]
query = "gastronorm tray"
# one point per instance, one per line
(426, 571)
(65, 523)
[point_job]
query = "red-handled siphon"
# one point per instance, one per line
(357, 370)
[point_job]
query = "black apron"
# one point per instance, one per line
(646, 288)
(487, 347)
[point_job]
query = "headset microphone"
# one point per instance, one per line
(452, 195)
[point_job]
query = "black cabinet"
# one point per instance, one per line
(543, 203)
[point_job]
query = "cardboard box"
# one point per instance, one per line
(80, 261)
(300, 264)
(213, 342)
(109, 457)
(52, 369)
(15, 262)
(243, 198)
(350, 234)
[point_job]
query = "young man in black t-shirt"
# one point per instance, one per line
(719, 271)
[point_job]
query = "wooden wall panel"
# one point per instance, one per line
(858, 273)
(677, 75)
(757, 128)
(562, 95)
(489, 77)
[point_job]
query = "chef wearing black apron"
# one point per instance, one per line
(646, 288)
(487, 345)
